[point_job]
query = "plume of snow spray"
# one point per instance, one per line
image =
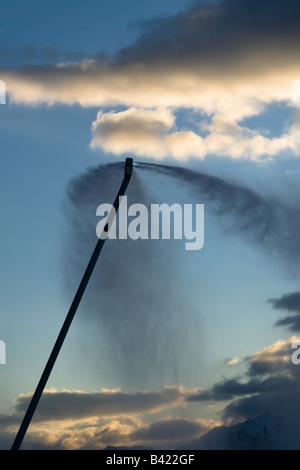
(138, 303)
(271, 223)
(135, 303)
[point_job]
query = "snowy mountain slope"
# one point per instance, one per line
(262, 433)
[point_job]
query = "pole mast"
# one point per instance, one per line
(68, 320)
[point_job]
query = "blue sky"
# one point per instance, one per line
(169, 82)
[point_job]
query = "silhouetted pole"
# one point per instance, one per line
(66, 325)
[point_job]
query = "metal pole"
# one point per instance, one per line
(66, 325)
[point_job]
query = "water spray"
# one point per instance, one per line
(67, 323)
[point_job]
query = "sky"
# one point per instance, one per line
(167, 343)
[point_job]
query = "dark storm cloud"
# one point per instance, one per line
(220, 33)
(230, 60)
(202, 57)
(291, 303)
(215, 33)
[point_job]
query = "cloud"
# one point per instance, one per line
(179, 59)
(292, 322)
(271, 359)
(78, 405)
(233, 361)
(270, 385)
(137, 131)
(230, 388)
(225, 30)
(168, 433)
(148, 132)
(73, 434)
(80, 420)
(291, 303)
(229, 59)
(172, 431)
(29, 54)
